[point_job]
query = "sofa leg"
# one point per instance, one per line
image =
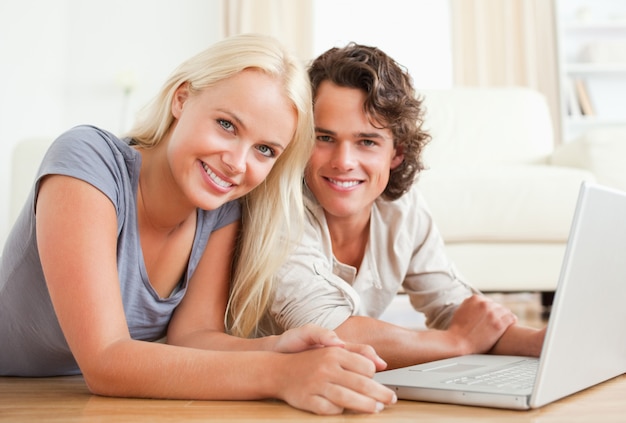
(547, 297)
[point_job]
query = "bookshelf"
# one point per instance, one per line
(591, 41)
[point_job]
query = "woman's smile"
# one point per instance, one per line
(215, 178)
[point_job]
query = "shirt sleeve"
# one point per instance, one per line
(307, 291)
(433, 284)
(94, 156)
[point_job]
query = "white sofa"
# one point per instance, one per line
(601, 150)
(503, 205)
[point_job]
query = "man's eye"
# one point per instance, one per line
(266, 151)
(324, 138)
(368, 143)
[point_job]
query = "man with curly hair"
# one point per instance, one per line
(369, 231)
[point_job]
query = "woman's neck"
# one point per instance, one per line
(160, 203)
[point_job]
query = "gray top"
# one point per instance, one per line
(31, 340)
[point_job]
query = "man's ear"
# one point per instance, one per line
(398, 158)
(178, 100)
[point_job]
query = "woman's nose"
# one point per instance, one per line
(235, 159)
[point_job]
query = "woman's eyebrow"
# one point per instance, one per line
(242, 125)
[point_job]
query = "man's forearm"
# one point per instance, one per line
(520, 340)
(399, 346)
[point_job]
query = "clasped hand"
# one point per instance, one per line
(330, 375)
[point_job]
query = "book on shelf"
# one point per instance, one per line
(573, 105)
(582, 95)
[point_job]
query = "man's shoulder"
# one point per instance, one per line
(411, 199)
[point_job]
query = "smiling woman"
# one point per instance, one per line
(232, 128)
(227, 136)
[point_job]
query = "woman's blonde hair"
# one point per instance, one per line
(271, 212)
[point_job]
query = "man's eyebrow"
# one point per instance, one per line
(356, 135)
(325, 131)
(368, 135)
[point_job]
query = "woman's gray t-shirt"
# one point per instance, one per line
(31, 340)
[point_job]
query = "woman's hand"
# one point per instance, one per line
(333, 379)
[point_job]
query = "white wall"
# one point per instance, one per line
(60, 61)
(416, 33)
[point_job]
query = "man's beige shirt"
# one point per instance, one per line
(405, 251)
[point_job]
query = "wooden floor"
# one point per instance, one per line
(67, 400)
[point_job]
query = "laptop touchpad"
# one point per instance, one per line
(448, 367)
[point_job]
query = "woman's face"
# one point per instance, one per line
(352, 159)
(226, 138)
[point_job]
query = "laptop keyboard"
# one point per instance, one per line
(517, 376)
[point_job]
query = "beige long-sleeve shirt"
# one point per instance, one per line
(405, 250)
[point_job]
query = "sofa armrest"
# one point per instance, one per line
(601, 151)
(503, 203)
(25, 161)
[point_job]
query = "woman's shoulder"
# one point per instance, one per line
(95, 156)
(88, 137)
(89, 149)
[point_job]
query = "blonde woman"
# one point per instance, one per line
(126, 241)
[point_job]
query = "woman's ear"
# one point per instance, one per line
(397, 159)
(178, 100)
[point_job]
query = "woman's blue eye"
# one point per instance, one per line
(225, 124)
(266, 151)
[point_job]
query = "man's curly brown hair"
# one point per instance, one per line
(391, 101)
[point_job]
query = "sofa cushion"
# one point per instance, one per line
(500, 203)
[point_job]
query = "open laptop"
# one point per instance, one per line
(585, 342)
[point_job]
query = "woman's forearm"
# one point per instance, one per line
(166, 371)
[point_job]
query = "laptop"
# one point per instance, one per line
(585, 342)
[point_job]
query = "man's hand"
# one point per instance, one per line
(479, 322)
